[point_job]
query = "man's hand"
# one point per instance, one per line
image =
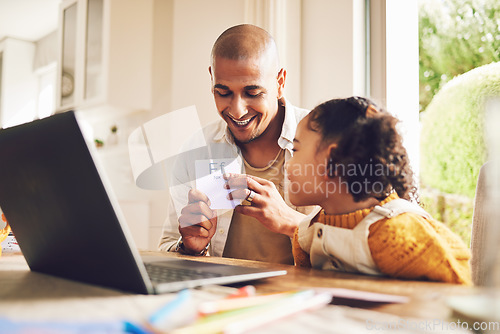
(267, 205)
(197, 223)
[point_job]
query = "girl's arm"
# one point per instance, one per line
(410, 246)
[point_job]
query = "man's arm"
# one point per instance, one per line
(195, 226)
(183, 180)
(179, 185)
(170, 233)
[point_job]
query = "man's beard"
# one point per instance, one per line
(256, 134)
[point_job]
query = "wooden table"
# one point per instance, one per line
(26, 295)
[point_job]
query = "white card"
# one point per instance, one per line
(209, 181)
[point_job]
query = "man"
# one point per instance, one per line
(258, 125)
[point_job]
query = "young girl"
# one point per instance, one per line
(349, 159)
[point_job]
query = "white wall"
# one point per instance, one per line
(129, 21)
(331, 54)
(196, 26)
(161, 63)
(19, 83)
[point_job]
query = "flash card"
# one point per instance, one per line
(209, 181)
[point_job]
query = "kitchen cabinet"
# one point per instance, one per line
(105, 52)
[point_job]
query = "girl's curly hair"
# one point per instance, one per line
(370, 156)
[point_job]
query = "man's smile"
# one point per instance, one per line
(242, 123)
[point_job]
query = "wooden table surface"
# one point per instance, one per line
(25, 295)
(427, 299)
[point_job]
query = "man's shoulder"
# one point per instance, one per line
(299, 113)
(209, 133)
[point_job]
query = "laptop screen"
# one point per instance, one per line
(57, 205)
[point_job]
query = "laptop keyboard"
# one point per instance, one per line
(159, 274)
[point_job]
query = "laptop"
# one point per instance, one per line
(68, 223)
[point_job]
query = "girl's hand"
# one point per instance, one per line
(266, 203)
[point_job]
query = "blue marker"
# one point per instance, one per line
(165, 311)
(13, 327)
(132, 328)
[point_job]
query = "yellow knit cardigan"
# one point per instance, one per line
(406, 246)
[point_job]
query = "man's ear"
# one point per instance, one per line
(211, 78)
(281, 82)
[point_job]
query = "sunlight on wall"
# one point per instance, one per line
(402, 72)
(47, 93)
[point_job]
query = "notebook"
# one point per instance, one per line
(68, 224)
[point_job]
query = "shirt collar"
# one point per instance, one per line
(289, 124)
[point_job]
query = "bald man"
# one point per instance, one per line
(257, 126)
